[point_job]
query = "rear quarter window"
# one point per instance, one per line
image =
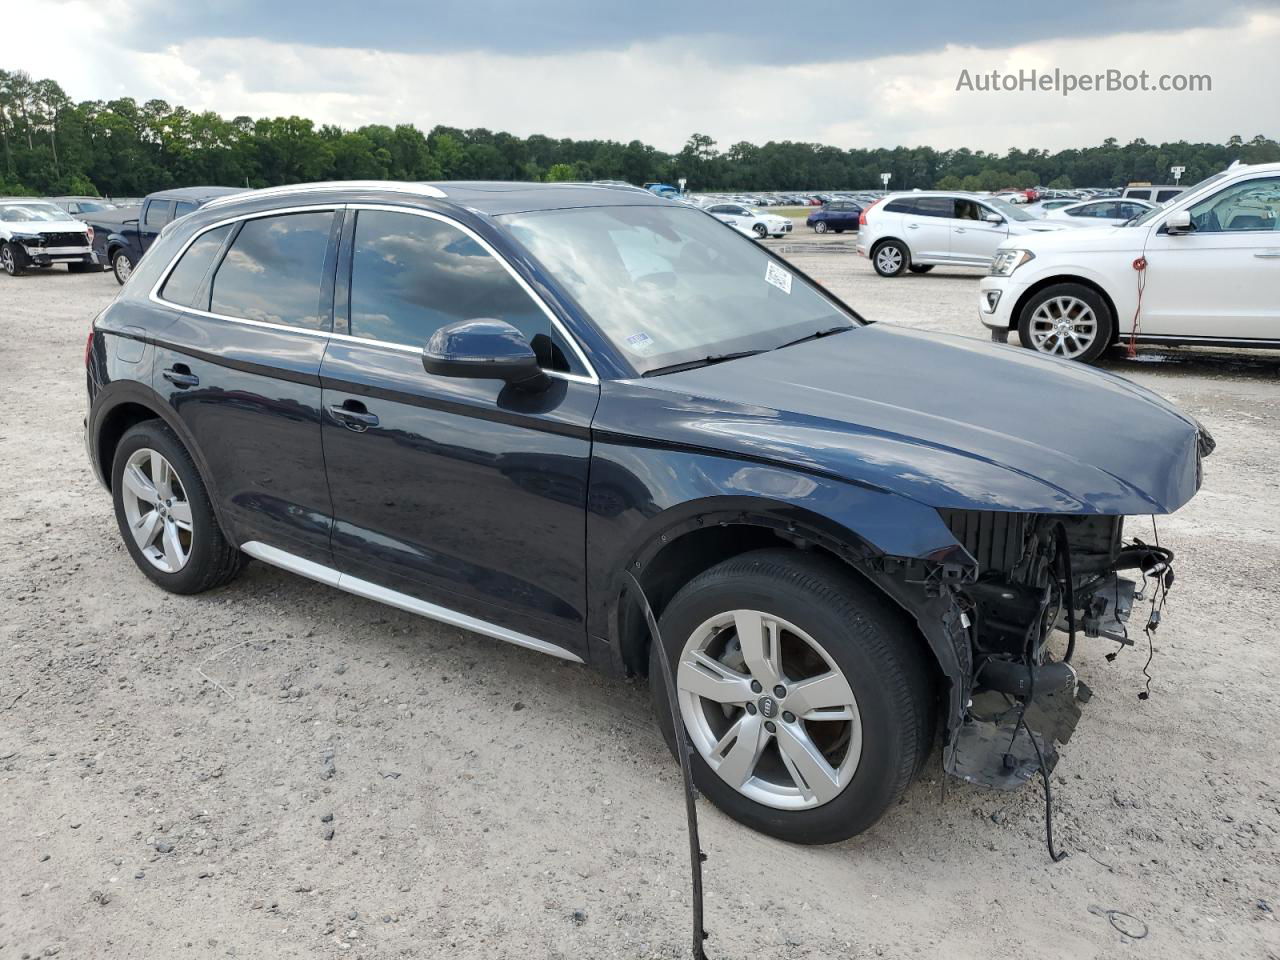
(187, 279)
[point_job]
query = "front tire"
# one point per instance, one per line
(1067, 320)
(803, 691)
(891, 258)
(165, 517)
(760, 230)
(121, 266)
(13, 259)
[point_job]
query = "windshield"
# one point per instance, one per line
(30, 212)
(1008, 210)
(1158, 208)
(671, 285)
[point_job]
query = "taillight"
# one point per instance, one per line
(862, 217)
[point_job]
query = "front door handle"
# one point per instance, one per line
(960, 230)
(913, 226)
(353, 415)
(180, 376)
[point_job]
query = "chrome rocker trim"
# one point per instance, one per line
(372, 591)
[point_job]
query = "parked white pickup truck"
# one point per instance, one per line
(1206, 267)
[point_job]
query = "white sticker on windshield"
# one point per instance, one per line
(640, 342)
(777, 276)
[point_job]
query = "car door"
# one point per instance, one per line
(240, 366)
(927, 228)
(973, 239)
(1222, 279)
(464, 493)
(155, 215)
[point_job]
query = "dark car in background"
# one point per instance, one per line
(835, 215)
(123, 235)
(519, 408)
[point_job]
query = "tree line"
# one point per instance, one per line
(53, 146)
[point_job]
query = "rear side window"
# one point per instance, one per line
(182, 208)
(411, 275)
(273, 272)
(1139, 194)
(899, 206)
(186, 280)
(935, 207)
(157, 214)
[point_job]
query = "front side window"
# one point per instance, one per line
(669, 286)
(273, 271)
(935, 207)
(188, 275)
(1253, 205)
(1164, 196)
(411, 275)
(1139, 194)
(182, 208)
(157, 214)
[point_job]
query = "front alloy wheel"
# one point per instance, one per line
(769, 710)
(820, 227)
(10, 259)
(1066, 320)
(801, 689)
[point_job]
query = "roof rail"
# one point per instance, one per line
(398, 186)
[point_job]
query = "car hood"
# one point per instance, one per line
(1093, 239)
(947, 421)
(43, 226)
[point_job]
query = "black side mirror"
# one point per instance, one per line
(484, 349)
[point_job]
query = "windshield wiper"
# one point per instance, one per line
(815, 336)
(695, 364)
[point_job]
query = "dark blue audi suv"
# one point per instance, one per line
(519, 408)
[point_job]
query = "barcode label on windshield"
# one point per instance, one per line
(777, 276)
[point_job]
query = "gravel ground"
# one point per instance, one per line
(277, 769)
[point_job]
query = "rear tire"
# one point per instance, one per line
(891, 258)
(164, 497)
(827, 623)
(121, 266)
(920, 267)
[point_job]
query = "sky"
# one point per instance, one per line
(842, 73)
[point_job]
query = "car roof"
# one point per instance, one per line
(194, 193)
(493, 198)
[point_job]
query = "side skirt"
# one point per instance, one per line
(372, 591)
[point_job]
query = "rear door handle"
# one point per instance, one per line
(913, 226)
(353, 415)
(180, 376)
(960, 230)
(1268, 254)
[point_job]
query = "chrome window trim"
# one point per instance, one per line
(423, 608)
(154, 295)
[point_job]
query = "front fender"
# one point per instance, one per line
(642, 499)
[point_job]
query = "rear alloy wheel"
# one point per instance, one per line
(820, 227)
(121, 266)
(802, 692)
(1067, 320)
(12, 260)
(164, 513)
(891, 258)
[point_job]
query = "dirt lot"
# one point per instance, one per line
(169, 765)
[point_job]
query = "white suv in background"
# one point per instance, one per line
(1204, 270)
(918, 231)
(751, 222)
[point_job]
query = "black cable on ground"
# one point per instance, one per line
(1069, 588)
(696, 856)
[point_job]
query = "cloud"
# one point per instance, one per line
(755, 29)
(661, 90)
